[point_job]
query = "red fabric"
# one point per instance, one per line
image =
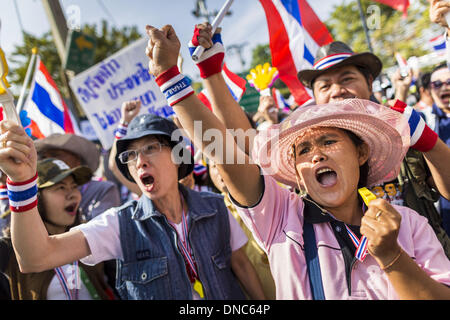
(24, 208)
(68, 126)
(8, 181)
(167, 75)
(281, 54)
(211, 65)
(315, 27)
(400, 5)
(427, 140)
(205, 100)
(195, 37)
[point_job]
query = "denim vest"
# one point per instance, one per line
(153, 267)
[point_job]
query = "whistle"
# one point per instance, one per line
(366, 195)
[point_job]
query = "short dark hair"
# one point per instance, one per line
(424, 81)
(364, 169)
(441, 66)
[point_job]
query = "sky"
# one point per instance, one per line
(247, 23)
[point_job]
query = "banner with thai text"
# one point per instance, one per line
(123, 76)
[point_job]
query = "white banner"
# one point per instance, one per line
(103, 88)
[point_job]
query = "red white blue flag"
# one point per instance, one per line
(437, 43)
(295, 33)
(235, 84)
(46, 107)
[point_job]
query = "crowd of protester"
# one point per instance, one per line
(283, 213)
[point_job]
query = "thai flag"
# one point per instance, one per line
(235, 84)
(279, 101)
(295, 34)
(46, 107)
(437, 43)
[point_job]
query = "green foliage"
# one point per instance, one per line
(394, 33)
(109, 40)
(260, 55)
(20, 57)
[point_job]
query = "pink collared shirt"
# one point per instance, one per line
(277, 225)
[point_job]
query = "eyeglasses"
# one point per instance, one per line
(438, 83)
(148, 150)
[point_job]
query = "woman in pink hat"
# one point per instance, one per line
(326, 244)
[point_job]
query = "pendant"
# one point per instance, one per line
(198, 287)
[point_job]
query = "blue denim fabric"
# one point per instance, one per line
(443, 130)
(153, 267)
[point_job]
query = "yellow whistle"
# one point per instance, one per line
(198, 287)
(366, 195)
(3, 73)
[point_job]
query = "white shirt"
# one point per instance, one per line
(56, 292)
(103, 236)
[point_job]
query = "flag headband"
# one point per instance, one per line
(331, 60)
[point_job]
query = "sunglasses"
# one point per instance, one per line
(438, 83)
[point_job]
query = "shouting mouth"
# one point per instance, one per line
(148, 181)
(326, 177)
(71, 209)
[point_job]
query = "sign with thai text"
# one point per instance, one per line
(123, 76)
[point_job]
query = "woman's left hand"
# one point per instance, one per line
(381, 225)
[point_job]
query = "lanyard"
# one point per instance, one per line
(360, 244)
(69, 289)
(186, 251)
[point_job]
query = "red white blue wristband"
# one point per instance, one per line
(22, 195)
(175, 86)
(3, 192)
(121, 130)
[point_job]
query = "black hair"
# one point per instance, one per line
(363, 169)
(424, 81)
(441, 66)
(366, 73)
(43, 212)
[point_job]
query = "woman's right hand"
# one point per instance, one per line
(18, 158)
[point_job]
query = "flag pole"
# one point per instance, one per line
(366, 30)
(27, 80)
(216, 22)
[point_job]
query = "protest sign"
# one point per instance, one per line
(103, 88)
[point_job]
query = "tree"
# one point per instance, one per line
(389, 31)
(109, 40)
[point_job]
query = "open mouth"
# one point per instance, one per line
(445, 97)
(147, 180)
(326, 177)
(71, 209)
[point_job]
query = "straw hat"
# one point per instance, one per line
(82, 147)
(384, 130)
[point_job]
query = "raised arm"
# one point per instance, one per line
(438, 159)
(36, 251)
(425, 140)
(224, 106)
(129, 110)
(242, 180)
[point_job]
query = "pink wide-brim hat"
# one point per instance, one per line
(385, 131)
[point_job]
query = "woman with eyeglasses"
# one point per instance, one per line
(172, 243)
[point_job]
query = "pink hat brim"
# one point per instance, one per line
(384, 130)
